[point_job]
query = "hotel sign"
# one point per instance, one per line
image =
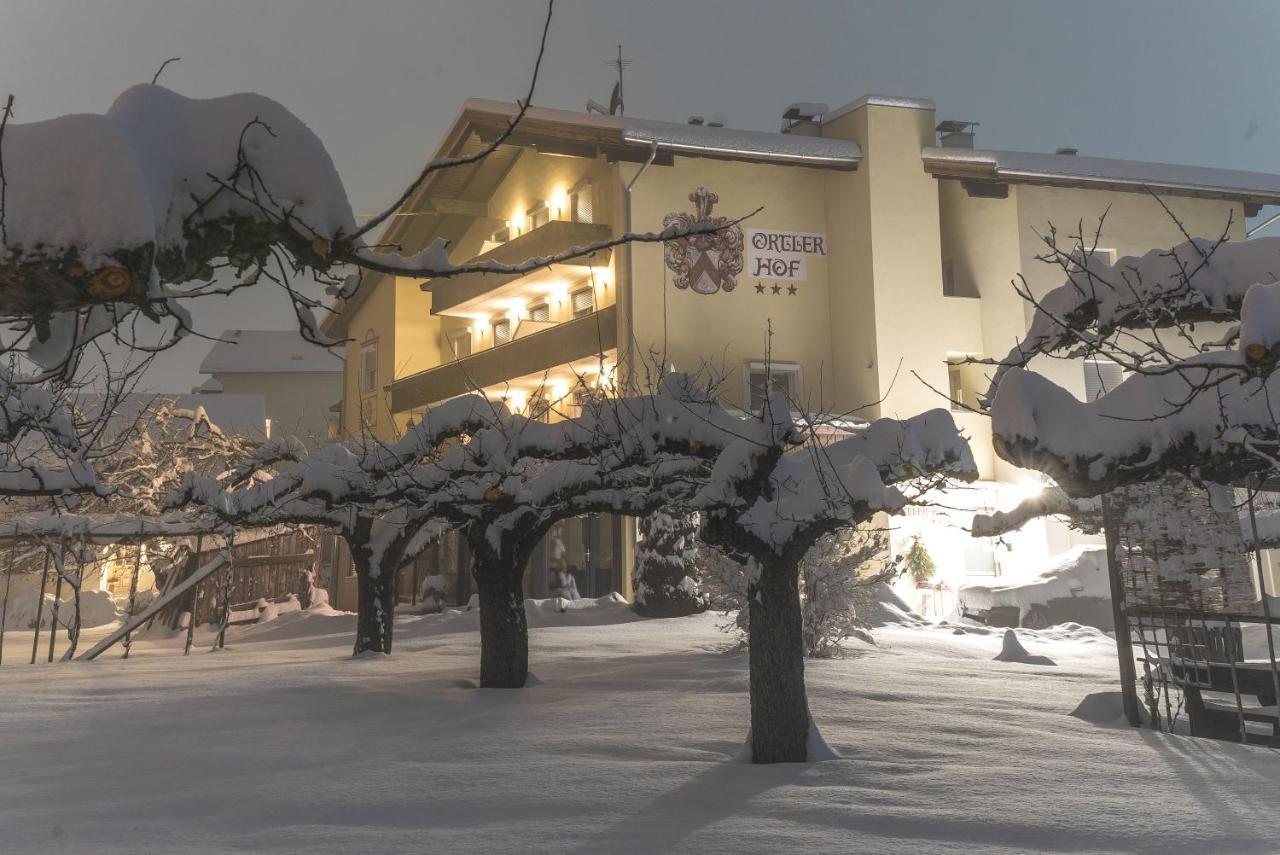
(781, 255)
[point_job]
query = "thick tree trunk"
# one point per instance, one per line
(779, 707)
(375, 603)
(504, 627)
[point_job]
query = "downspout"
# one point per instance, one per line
(629, 333)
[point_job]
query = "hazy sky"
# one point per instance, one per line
(380, 81)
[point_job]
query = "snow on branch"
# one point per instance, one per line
(1198, 280)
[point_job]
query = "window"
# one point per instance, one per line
(580, 203)
(955, 386)
(763, 379)
(540, 312)
(502, 331)
(1100, 377)
(460, 344)
(583, 301)
(1097, 256)
(539, 215)
(369, 367)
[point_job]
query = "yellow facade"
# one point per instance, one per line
(870, 326)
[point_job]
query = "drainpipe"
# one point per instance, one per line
(629, 333)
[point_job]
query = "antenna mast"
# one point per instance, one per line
(618, 64)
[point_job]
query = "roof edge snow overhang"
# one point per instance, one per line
(1060, 170)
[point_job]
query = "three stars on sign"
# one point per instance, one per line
(776, 289)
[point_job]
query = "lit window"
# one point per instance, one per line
(502, 331)
(584, 302)
(540, 312)
(580, 203)
(369, 368)
(460, 344)
(764, 378)
(1100, 377)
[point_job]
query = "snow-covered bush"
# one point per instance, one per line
(833, 576)
(665, 579)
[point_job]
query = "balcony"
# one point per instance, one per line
(461, 295)
(579, 339)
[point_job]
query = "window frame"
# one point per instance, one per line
(505, 323)
(590, 291)
(368, 379)
(578, 194)
(792, 370)
(545, 308)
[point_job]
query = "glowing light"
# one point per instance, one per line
(1026, 490)
(559, 202)
(515, 401)
(601, 276)
(559, 389)
(516, 223)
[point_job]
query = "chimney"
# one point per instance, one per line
(1070, 151)
(695, 120)
(803, 117)
(955, 133)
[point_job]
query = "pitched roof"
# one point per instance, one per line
(1073, 170)
(268, 352)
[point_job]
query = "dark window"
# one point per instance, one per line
(584, 302)
(540, 312)
(762, 379)
(502, 331)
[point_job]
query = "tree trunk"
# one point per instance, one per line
(504, 627)
(779, 707)
(375, 603)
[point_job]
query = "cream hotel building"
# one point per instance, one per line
(883, 252)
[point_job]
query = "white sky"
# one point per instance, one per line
(380, 82)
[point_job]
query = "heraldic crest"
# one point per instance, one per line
(705, 263)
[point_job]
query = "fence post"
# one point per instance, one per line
(4, 607)
(191, 614)
(1124, 642)
(133, 592)
(44, 582)
(57, 600)
(226, 593)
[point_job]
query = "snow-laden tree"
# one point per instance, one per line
(665, 580)
(768, 502)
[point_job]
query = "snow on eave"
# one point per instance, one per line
(1038, 168)
(735, 144)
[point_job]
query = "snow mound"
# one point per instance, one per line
(97, 608)
(884, 607)
(1013, 651)
(1105, 708)
(816, 747)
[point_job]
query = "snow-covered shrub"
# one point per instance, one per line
(838, 581)
(834, 575)
(665, 578)
(431, 595)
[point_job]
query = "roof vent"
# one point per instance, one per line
(1070, 151)
(715, 120)
(696, 120)
(803, 114)
(955, 133)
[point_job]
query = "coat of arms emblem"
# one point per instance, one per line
(704, 263)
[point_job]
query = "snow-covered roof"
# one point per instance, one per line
(1034, 167)
(707, 141)
(268, 352)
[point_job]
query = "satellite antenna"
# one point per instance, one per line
(616, 106)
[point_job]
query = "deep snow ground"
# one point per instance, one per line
(284, 744)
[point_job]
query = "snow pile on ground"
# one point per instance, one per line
(1011, 650)
(625, 746)
(1078, 572)
(97, 608)
(882, 606)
